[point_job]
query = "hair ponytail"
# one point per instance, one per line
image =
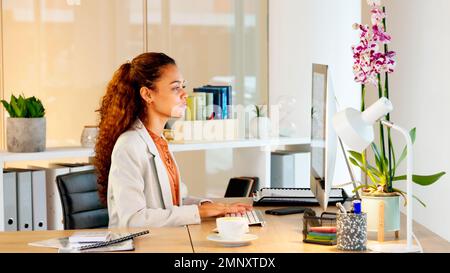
(121, 106)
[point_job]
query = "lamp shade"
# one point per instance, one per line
(355, 128)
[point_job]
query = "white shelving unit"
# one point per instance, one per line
(208, 166)
(245, 143)
(72, 152)
(50, 153)
(249, 157)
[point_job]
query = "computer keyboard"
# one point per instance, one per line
(254, 217)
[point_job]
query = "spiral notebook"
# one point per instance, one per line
(293, 196)
(118, 242)
(114, 241)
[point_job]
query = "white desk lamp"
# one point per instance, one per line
(356, 131)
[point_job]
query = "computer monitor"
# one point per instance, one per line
(323, 137)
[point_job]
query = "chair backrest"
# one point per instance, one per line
(81, 204)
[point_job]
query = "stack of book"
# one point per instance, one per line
(209, 103)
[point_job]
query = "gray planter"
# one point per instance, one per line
(26, 135)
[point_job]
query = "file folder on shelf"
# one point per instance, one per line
(39, 200)
(8, 202)
(293, 196)
(24, 200)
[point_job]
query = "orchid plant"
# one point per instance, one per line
(373, 62)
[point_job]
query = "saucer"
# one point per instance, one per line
(244, 240)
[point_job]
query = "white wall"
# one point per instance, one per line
(421, 97)
(303, 32)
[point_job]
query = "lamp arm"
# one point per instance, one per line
(350, 170)
(409, 174)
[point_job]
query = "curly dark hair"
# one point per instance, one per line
(122, 105)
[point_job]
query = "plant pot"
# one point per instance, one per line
(371, 204)
(260, 127)
(25, 135)
(89, 136)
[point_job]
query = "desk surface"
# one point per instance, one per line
(280, 234)
(284, 234)
(160, 240)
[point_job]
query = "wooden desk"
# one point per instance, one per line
(160, 240)
(281, 234)
(284, 234)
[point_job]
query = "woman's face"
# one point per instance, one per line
(169, 94)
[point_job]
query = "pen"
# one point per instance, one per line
(341, 207)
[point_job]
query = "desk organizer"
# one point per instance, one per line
(351, 231)
(319, 230)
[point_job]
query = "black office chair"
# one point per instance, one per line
(81, 204)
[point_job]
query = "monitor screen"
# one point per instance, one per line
(323, 136)
(318, 118)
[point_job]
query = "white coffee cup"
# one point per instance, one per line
(232, 228)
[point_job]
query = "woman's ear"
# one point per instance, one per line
(146, 94)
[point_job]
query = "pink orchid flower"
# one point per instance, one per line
(377, 16)
(380, 35)
(369, 60)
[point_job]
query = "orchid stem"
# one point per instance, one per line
(383, 149)
(388, 117)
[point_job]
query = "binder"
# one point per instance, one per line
(8, 201)
(218, 99)
(24, 200)
(39, 199)
(200, 105)
(226, 93)
(209, 105)
(191, 110)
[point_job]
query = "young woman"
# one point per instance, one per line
(138, 177)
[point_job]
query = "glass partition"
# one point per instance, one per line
(215, 41)
(64, 52)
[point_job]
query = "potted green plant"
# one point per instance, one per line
(373, 62)
(260, 124)
(26, 126)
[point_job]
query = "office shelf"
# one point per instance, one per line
(244, 151)
(205, 166)
(244, 143)
(50, 153)
(70, 152)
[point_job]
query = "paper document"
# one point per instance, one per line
(90, 236)
(65, 246)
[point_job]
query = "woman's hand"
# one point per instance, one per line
(220, 209)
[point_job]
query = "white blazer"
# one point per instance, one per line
(139, 193)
